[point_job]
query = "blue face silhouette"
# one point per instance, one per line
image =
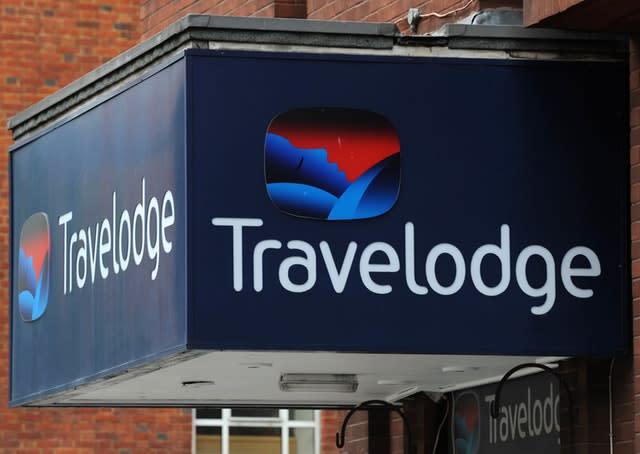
(466, 423)
(302, 182)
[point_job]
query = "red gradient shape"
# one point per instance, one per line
(355, 140)
(36, 247)
(471, 417)
(468, 410)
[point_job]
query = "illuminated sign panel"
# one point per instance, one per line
(323, 213)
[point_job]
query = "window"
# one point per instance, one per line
(256, 431)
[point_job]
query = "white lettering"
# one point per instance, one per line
(116, 267)
(338, 278)
(567, 272)
(124, 259)
(534, 270)
(153, 249)
(366, 267)
(409, 261)
(258, 252)
(524, 419)
(237, 224)
(105, 248)
(138, 213)
(64, 220)
(93, 251)
(167, 220)
(81, 257)
(537, 417)
(72, 241)
(308, 262)
(430, 268)
(503, 254)
(117, 236)
(548, 289)
(548, 406)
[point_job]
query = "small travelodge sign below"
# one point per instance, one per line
(528, 418)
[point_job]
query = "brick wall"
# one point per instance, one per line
(589, 15)
(395, 11)
(634, 97)
(397, 435)
(588, 380)
(155, 15)
(330, 423)
(362, 428)
(45, 45)
(105, 431)
(450, 11)
(379, 434)
(357, 435)
(358, 10)
(535, 10)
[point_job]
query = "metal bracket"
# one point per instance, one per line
(371, 405)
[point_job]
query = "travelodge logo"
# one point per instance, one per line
(124, 238)
(344, 164)
(332, 163)
(33, 267)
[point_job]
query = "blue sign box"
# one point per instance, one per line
(293, 202)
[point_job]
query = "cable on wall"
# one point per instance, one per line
(611, 406)
(449, 13)
(444, 419)
(414, 15)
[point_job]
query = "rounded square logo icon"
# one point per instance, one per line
(466, 423)
(33, 267)
(332, 163)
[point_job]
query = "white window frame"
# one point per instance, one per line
(282, 421)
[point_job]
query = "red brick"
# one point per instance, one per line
(36, 36)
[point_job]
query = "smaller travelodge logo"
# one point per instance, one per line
(33, 267)
(332, 163)
(466, 423)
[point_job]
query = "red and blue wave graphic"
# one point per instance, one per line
(466, 423)
(332, 163)
(33, 267)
